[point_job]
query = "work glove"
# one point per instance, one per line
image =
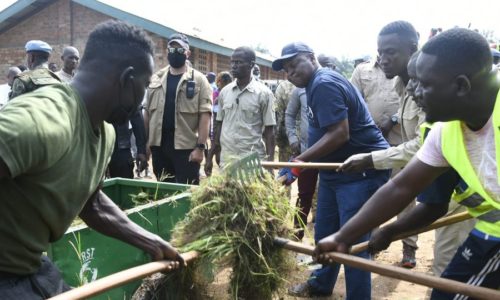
(289, 174)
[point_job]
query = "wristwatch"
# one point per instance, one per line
(394, 119)
(200, 146)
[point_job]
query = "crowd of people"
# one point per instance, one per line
(416, 131)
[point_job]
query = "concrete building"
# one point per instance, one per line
(68, 22)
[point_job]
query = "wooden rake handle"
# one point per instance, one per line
(106, 283)
(437, 224)
(303, 165)
(447, 285)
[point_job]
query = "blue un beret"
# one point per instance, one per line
(36, 45)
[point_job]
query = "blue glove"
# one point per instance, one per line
(286, 174)
(289, 174)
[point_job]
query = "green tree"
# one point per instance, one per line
(261, 48)
(345, 66)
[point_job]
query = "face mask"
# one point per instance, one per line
(256, 76)
(176, 60)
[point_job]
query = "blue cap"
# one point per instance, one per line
(290, 51)
(495, 53)
(36, 45)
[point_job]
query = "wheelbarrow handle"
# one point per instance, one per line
(106, 283)
(303, 165)
(437, 224)
(447, 285)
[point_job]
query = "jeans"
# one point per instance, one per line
(339, 199)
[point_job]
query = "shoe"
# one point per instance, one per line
(304, 290)
(408, 261)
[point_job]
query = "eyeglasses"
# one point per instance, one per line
(178, 50)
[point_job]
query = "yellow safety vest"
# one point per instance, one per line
(480, 205)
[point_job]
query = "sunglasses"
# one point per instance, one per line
(178, 50)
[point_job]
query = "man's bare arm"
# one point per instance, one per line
(386, 203)
(269, 141)
(102, 214)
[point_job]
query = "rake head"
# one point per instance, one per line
(246, 168)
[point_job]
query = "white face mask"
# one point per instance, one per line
(256, 76)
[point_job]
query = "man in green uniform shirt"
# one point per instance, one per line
(37, 57)
(55, 144)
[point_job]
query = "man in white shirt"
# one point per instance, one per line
(70, 58)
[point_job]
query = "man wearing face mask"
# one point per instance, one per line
(177, 116)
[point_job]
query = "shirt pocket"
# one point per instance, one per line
(185, 104)
(250, 113)
(154, 95)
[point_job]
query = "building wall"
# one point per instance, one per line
(64, 23)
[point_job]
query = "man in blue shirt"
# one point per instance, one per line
(339, 126)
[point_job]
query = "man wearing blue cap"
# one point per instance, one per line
(37, 57)
(339, 126)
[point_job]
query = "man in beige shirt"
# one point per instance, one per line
(177, 116)
(70, 58)
(380, 96)
(397, 41)
(246, 115)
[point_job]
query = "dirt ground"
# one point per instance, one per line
(383, 288)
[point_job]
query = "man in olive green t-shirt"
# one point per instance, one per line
(54, 149)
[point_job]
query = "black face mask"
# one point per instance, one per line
(176, 60)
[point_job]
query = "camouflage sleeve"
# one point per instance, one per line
(281, 137)
(18, 88)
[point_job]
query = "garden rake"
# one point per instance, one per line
(250, 168)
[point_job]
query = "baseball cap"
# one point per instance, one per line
(37, 45)
(495, 53)
(179, 38)
(290, 51)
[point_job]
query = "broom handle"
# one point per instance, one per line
(106, 283)
(438, 224)
(304, 165)
(447, 285)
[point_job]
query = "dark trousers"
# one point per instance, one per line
(340, 196)
(307, 186)
(121, 164)
(45, 283)
(173, 165)
(476, 262)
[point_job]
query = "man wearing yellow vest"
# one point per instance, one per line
(458, 87)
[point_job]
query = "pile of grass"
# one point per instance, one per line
(232, 224)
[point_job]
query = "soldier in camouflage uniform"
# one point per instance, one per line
(37, 54)
(282, 94)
